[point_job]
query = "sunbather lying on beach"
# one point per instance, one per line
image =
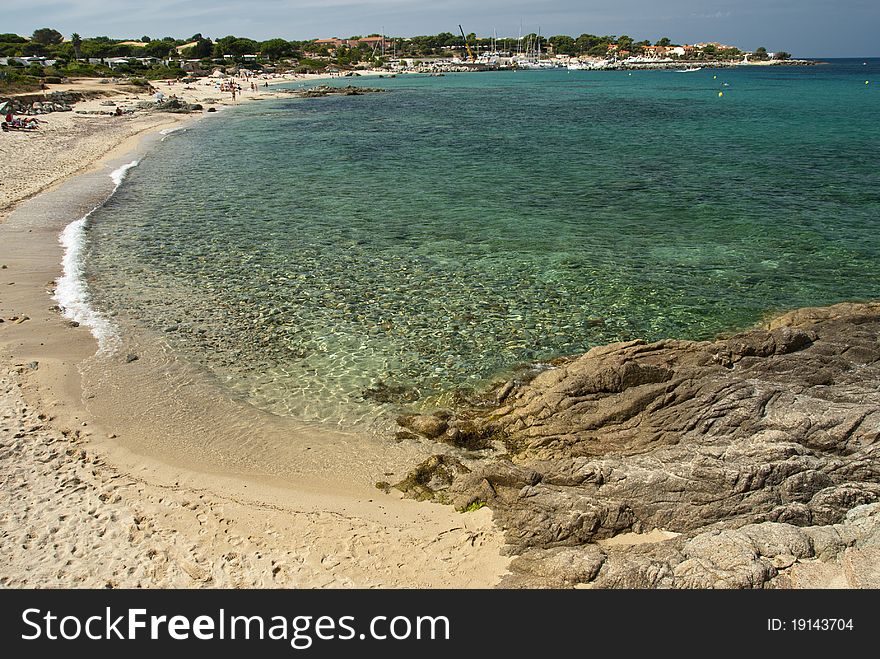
(21, 123)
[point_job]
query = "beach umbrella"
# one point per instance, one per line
(4, 107)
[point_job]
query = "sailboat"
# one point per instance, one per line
(532, 57)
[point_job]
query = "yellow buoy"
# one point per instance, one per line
(720, 94)
(714, 77)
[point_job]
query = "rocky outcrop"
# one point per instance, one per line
(757, 449)
(327, 90)
(31, 104)
(766, 555)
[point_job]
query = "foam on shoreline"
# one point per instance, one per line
(71, 291)
(167, 131)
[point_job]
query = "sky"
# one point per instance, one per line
(805, 28)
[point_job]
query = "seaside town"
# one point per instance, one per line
(47, 56)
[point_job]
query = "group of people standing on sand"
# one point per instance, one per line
(236, 89)
(230, 86)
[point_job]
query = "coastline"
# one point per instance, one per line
(68, 143)
(156, 436)
(93, 467)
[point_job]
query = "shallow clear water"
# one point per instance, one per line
(329, 257)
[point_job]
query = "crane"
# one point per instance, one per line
(471, 55)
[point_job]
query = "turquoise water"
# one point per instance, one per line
(332, 258)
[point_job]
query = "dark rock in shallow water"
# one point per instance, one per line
(432, 477)
(327, 90)
(749, 447)
(382, 392)
(424, 424)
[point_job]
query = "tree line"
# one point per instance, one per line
(51, 43)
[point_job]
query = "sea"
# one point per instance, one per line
(341, 259)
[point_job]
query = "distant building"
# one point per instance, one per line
(114, 62)
(379, 42)
(657, 51)
(373, 42)
(718, 46)
(330, 43)
(27, 61)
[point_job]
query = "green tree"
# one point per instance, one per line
(33, 48)
(781, 55)
(11, 38)
(761, 53)
(76, 40)
(97, 47)
(145, 39)
(162, 48)
(585, 42)
(203, 48)
(235, 46)
(119, 50)
(47, 36)
(563, 45)
(276, 48)
(664, 42)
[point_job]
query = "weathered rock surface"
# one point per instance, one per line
(44, 103)
(327, 90)
(761, 450)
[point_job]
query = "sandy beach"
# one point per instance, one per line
(139, 481)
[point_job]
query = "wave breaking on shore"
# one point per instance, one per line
(71, 290)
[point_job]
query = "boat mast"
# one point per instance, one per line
(539, 44)
(519, 40)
